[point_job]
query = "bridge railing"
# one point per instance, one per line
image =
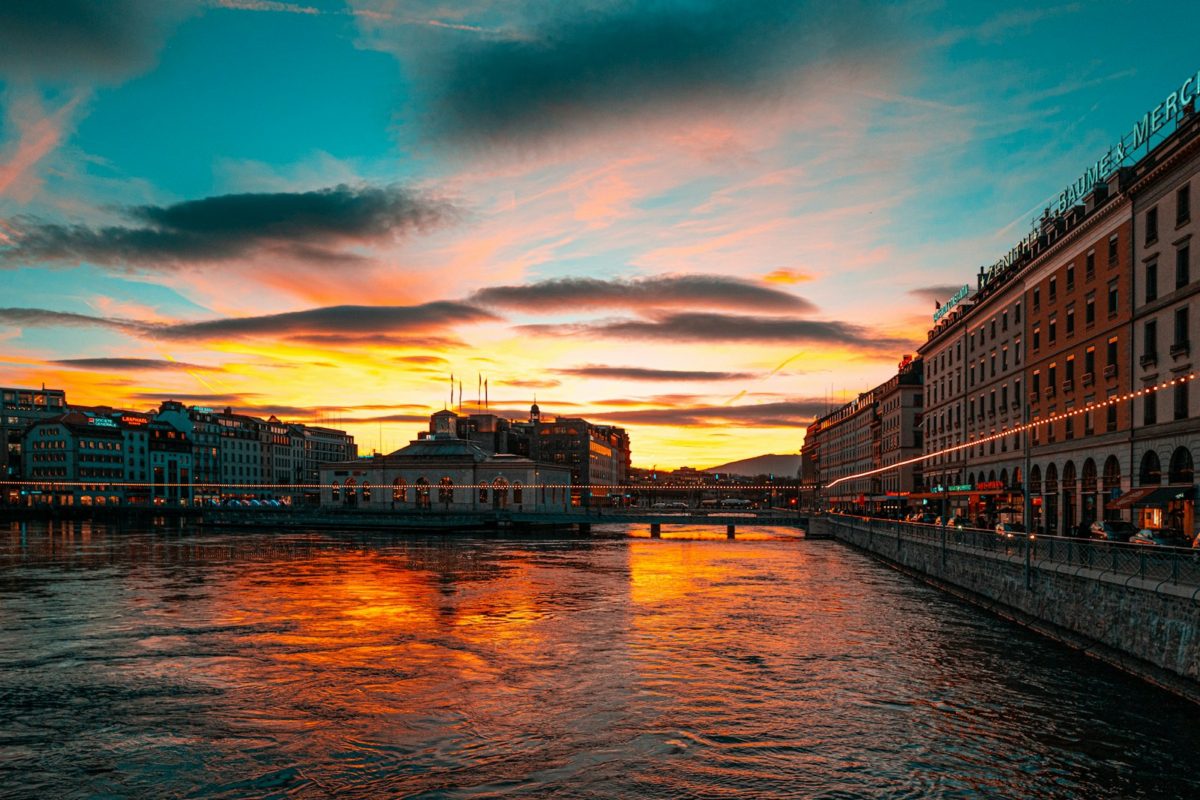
(1172, 564)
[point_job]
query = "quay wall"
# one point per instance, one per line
(1146, 622)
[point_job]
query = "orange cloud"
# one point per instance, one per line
(38, 133)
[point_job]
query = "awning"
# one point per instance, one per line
(1151, 496)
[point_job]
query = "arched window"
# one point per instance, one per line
(483, 494)
(399, 490)
(1150, 473)
(1017, 476)
(1182, 470)
(1051, 479)
(1068, 477)
(1112, 474)
(518, 492)
(337, 491)
(351, 492)
(991, 476)
(422, 487)
(500, 493)
(1004, 477)
(1089, 476)
(446, 490)
(366, 490)
(971, 478)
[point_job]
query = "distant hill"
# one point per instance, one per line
(762, 465)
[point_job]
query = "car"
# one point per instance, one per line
(1112, 530)
(678, 505)
(1159, 537)
(1009, 530)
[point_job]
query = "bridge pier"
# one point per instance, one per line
(729, 531)
(655, 530)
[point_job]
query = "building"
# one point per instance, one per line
(842, 443)
(900, 413)
(598, 456)
(74, 459)
(1059, 391)
(1077, 290)
(20, 408)
(1165, 324)
(442, 471)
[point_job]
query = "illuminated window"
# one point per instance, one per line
(336, 490)
(446, 490)
(399, 490)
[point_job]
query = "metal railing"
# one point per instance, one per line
(1178, 565)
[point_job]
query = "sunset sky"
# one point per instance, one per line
(705, 221)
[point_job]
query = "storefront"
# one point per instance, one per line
(1159, 507)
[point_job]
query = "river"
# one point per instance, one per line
(182, 663)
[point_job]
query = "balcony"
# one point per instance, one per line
(1181, 349)
(1050, 391)
(1148, 360)
(1088, 378)
(1068, 386)
(1033, 397)
(1110, 371)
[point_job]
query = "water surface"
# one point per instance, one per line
(178, 663)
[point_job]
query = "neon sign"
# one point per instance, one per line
(959, 296)
(128, 420)
(101, 422)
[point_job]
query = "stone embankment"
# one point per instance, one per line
(1137, 608)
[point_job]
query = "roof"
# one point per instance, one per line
(440, 448)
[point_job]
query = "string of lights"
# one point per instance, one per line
(1093, 406)
(40, 482)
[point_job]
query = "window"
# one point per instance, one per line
(1004, 396)
(1183, 205)
(1182, 268)
(1150, 409)
(1069, 377)
(1181, 401)
(1112, 250)
(1110, 416)
(1070, 277)
(1004, 321)
(993, 329)
(1037, 339)
(1052, 331)
(1089, 310)
(1090, 266)
(1017, 313)
(1071, 320)
(1151, 280)
(1037, 299)
(1181, 327)
(1112, 298)
(1017, 351)
(1004, 358)
(1037, 381)
(993, 363)
(1051, 376)
(1152, 226)
(1150, 340)
(1111, 363)
(1052, 291)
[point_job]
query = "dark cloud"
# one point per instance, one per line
(705, 327)
(371, 323)
(642, 374)
(391, 418)
(196, 399)
(44, 318)
(421, 360)
(126, 364)
(589, 65)
(767, 415)
(344, 341)
(531, 383)
(931, 294)
(318, 227)
(688, 291)
(82, 40)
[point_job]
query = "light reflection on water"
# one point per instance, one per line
(153, 663)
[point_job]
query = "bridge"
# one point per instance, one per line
(434, 519)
